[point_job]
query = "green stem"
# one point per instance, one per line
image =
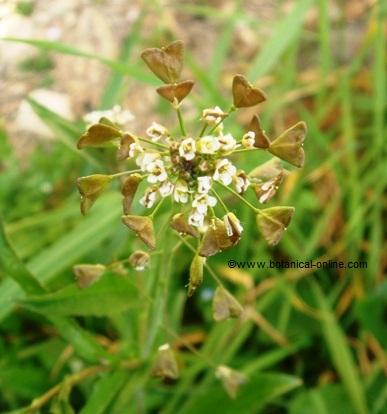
(120, 174)
(181, 121)
(256, 210)
(246, 150)
(220, 200)
(151, 215)
(232, 109)
(148, 141)
(203, 130)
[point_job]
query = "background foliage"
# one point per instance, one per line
(315, 340)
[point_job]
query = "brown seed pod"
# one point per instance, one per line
(288, 146)
(143, 227)
(176, 92)
(166, 63)
(244, 93)
(272, 222)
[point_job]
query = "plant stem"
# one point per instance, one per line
(256, 210)
(220, 200)
(148, 141)
(245, 150)
(181, 122)
(232, 109)
(151, 215)
(120, 174)
(203, 130)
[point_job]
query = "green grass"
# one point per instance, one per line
(94, 350)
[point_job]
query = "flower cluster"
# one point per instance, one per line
(193, 169)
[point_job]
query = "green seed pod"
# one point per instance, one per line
(195, 274)
(288, 146)
(97, 135)
(165, 365)
(90, 188)
(272, 222)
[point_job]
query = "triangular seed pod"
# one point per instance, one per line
(288, 146)
(244, 93)
(272, 222)
(166, 63)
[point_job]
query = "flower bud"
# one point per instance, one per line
(139, 260)
(87, 274)
(90, 188)
(166, 63)
(180, 224)
(195, 274)
(231, 379)
(245, 94)
(143, 227)
(165, 365)
(272, 222)
(225, 306)
(128, 190)
(176, 92)
(233, 227)
(97, 135)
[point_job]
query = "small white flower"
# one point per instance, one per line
(166, 189)
(208, 145)
(180, 193)
(233, 225)
(213, 115)
(134, 149)
(157, 131)
(202, 201)
(146, 158)
(187, 149)
(150, 197)
(248, 139)
(157, 171)
(204, 184)
(196, 219)
(269, 189)
(224, 171)
(227, 142)
(241, 182)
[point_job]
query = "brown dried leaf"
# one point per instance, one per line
(244, 94)
(195, 274)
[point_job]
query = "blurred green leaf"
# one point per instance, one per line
(108, 295)
(259, 390)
